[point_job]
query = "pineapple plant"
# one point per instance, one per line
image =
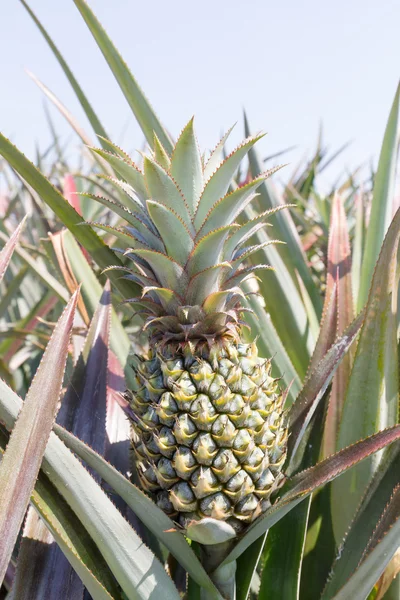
(232, 436)
(209, 427)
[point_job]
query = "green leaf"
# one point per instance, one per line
(138, 102)
(177, 239)
(91, 115)
(100, 253)
(285, 304)
(230, 206)
(381, 208)
(8, 250)
(351, 550)
(283, 555)
(382, 546)
(208, 250)
(186, 167)
(126, 169)
(205, 283)
(216, 156)
(246, 568)
(148, 512)
(163, 188)
(217, 186)
(168, 272)
(292, 254)
(358, 245)
(136, 220)
(91, 291)
(315, 387)
(160, 154)
(270, 345)
(41, 272)
(23, 456)
(371, 401)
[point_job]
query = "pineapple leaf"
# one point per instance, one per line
(339, 270)
(164, 189)
(40, 271)
(21, 461)
(186, 167)
(358, 244)
(132, 238)
(168, 272)
(8, 250)
(205, 283)
(381, 548)
(90, 113)
(269, 344)
(139, 222)
(371, 400)
(292, 254)
(217, 186)
(33, 567)
(136, 569)
(306, 482)
(381, 208)
(285, 305)
(316, 385)
(100, 253)
(174, 233)
(283, 555)
(83, 408)
(160, 155)
(153, 517)
(129, 198)
(247, 568)
(135, 208)
(208, 250)
(248, 229)
(352, 550)
(216, 156)
(127, 170)
(138, 102)
(230, 206)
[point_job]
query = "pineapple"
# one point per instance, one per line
(208, 427)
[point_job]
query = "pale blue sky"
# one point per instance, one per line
(289, 63)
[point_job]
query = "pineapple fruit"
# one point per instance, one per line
(208, 428)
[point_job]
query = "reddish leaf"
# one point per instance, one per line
(339, 273)
(23, 456)
(70, 193)
(316, 384)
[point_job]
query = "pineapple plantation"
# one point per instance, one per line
(208, 366)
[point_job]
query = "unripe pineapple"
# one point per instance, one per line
(209, 432)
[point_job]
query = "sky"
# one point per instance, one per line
(290, 64)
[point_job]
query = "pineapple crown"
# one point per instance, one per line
(185, 247)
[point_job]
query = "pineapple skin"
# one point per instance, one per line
(209, 435)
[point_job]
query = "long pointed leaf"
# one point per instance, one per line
(139, 573)
(138, 102)
(21, 461)
(100, 253)
(157, 521)
(371, 401)
(381, 208)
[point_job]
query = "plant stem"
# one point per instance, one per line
(223, 577)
